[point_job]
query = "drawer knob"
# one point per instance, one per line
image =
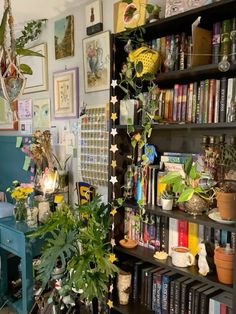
(8, 241)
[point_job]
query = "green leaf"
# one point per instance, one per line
(193, 172)
(186, 195)
(28, 52)
(3, 26)
(25, 69)
(149, 8)
(188, 165)
(127, 1)
(171, 177)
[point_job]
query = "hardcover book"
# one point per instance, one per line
(220, 303)
(205, 297)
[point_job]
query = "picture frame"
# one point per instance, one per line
(66, 95)
(94, 18)
(41, 113)
(129, 15)
(64, 37)
(8, 115)
(38, 81)
(96, 57)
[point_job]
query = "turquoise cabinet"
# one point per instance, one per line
(13, 240)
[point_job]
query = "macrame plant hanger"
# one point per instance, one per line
(11, 79)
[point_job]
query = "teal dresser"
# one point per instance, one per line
(13, 240)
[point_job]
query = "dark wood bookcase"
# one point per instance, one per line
(175, 137)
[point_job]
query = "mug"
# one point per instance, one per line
(181, 256)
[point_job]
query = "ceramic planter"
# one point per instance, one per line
(167, 204)
(224, 265)
(226, 203)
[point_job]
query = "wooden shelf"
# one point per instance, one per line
(146, 254)
(131, 308)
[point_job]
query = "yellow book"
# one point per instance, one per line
(193, 239)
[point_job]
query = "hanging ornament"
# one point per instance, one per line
(224, 64)
(114, 83)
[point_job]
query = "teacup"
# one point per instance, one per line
(181, 256)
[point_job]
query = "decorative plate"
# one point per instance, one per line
(128, 243)
(215, 215)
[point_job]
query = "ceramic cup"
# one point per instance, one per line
(181, 256)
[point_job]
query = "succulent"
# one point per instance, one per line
(167, 195)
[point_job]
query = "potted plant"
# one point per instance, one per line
(167, 199)
(63, 176)
(189, 189)
(77, 238)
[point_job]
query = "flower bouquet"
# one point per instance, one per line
(20, 193)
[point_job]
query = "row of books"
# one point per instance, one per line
(206, 101)
(161, 233)
(165, 291)
(177, 51)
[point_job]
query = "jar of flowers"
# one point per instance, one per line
(19, 193)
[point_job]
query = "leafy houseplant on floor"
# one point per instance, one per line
(78, 243)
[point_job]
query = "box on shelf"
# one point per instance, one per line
(179, 6)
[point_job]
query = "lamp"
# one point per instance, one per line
(12, 81)
(49, 181)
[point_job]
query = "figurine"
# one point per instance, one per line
(202, 261)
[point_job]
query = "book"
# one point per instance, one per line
(197, 295)
(220, 302)
(177, 294)
(223, 99)
(173, 234)
(166, 280)
(164, 228)
(204, 299)
(205, 107)
(212, 93)
(174, 166)
(184, 103)
(201, 102)
(191, 296)
(233, 40)
(194, 104)
(137, 278)
(184, 294)
(217, 102)
(193, 240)
(157, 279)
(179, 102)
(231, 100)
(190, 103)
(144, 274)
(182, 233)
(216, 43)
(225, 40)
(149, 287)
(158, 233)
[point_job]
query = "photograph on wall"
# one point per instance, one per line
(64, 37)
(93, 14)
(41, 114)
(96, 52)
(66, 100)
(25, 109)
(129, 15)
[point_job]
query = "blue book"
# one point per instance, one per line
(165, 290)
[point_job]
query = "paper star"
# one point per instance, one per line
(113, 116)
(113, 180)
(112, 226)
(113, 132)
(111, 288)
(113, 212)
(113, 148)
(110, 303)
(113, 243)
(114, 83)
(113, 164)
(113, 99)
(112, 258)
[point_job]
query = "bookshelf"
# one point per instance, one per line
(176, 137)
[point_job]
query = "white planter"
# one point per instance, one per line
(167, 204)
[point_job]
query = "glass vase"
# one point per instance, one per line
(20, 210)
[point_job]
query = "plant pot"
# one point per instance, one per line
(167, 204)
(196, 205)
(224, 265)
(63, 179)
(124, 286)
(226, 204)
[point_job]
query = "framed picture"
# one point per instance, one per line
(25, 109)
(93, 14)
(129, 15)
(8, 115)
(96, 55)
(38, 81)
(66, 96)
(41, 114)
(64, 37)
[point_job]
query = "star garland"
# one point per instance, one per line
(113, 179)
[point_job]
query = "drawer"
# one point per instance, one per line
(11, 240)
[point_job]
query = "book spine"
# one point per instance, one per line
(166, 109)
(212, 93)
(193, 240)
(177, 50)
(173, 234)
(205, 102)
(165, 294)
(223, 308)
(149, 200)
(158, 295)
(175, 102)
(172, 290)
(229, 99)
(216, 43)
(154, 291)
(177, 298)
(194, 105)
(158, 234)
(233, 40)
(197, 112)
(183, 55)
(135, 282)
(179, 102)
(183, 298)
(223, 96)
(164, 233)
(190, 301)
(225, 37)
(201, 102)
(217, 103)
(182, 233)
(190, 103)
(184, 103)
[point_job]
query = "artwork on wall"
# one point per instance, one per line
(64, 37)
(25, 109)
(93, 12)
(129, 15)
(96, 52)
(8, 115)
(41, 114)
(38, 81)
(66, 101)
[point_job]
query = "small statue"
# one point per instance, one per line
(202, 261)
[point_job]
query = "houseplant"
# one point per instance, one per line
(78, 242)
(195, 198)
(62, 171)
(167, 199)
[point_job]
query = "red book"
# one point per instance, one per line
(223, 308)
(182, 233)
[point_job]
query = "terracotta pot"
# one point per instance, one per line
(226, 203)
(224, 265)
